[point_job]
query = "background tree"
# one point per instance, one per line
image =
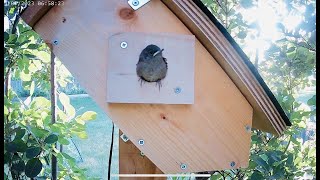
(29, 135)
(288, 68)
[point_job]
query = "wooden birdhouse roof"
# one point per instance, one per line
(268, 115)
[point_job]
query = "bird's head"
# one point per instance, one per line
(151, 51)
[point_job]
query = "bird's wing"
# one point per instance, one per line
(165, 61)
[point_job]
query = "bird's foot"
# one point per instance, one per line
(141, 81)
(158, 83)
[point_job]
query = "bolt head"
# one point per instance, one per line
(177, 90)
(141, 142)
(232, 164)
(55, 42)
(124, 138)
(183, 166)
(123, 44)
(135, 2)
(248, 128)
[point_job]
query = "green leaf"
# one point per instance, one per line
(12, 39)
(262, 162)
(312, 101)
(277, 163)
(18, 167)
(312, 152)
(23, 42)
(52, 138)
(290, 159)
(294, 140)
(40, 102)
(32, 88)
(30, 56)
(32, 152)
(252, 164)
(33, 46)
(21, 145)
(24, 76)
(7, 157)
(33, 167)
(32, 68)
(82, 135)
(65, 101)
(20, 133)
(88, 115)
(256, 175)
(41, 133)
(297, 160)
(6, 111)
(302, 124)
(68, 157)
(6, 36)
(16, 146)
(63, 141)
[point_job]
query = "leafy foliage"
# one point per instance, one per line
(288, 69)
(29, 134)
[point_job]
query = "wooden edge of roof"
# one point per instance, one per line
(196, 16)
(33, 13)
(268, 114)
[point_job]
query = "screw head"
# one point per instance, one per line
(123, 44)
(183, 166)
(177, 90)
(124, 138)
(141, 142)
(141, 153)
(232, 164)
(55, 42)
(248, 128)
(135, 2)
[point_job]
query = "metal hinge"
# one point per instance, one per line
(136, 4)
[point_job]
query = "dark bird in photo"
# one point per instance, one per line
(152, 66)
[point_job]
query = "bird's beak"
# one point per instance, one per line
(157, 52)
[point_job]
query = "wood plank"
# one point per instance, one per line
(132, 162)
(123, 85)
(36, 10)
(207, 135)
(265, 116)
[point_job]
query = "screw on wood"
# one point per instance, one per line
(124, 138)
(183, 166)
(135, 3)
(141, 142)
(248, 128)
(177, 90)
(232, 164)
(141, 153)
(55, 42)
(123, 44)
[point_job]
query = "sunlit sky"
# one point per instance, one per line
(267, 17)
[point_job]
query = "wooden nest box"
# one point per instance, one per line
(201, 117)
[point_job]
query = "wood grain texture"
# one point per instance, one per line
(207, 135)
(132, 162)
(265, 115)
(123, 85)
